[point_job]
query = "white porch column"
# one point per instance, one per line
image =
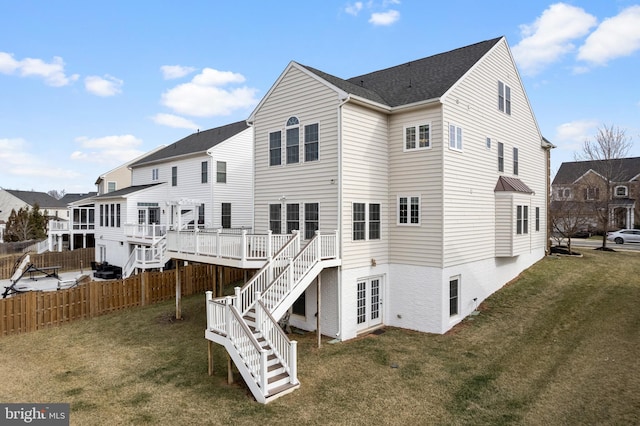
(71, 240)
(59, 242)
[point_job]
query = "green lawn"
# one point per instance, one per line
(557, 346)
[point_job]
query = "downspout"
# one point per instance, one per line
(340, 105)
(212, 186)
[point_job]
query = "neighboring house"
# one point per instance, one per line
(78, 230)
(120, 177)
(417, 191)
(582, 186)
(203, 181)
(15, 200)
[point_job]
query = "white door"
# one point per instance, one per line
(369, 303)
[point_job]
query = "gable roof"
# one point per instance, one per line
(198, 142)
(126, 191)
(32, 198)
(415, 81)
(71, 198)
(509, 184)
(627, 169)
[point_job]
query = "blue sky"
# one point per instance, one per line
(87, 86)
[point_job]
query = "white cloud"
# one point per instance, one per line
(103, 86)
(206, 95)
(170, 72)
(550, 36)
(19, 161)
(115, 149)
(353, 9)
(51, 72)
(175, 121)
(571, 135)
(8, 65)
(389, 17)
(13, 152)
(614, 37)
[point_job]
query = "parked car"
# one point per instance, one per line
(624, 236)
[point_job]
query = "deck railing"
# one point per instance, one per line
(219, 243)
(58, 225)
(153, 231)
(261, 280)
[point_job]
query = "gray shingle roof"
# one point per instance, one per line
(41, 198)
(126, 191)
(70, 198)
(198, 142)
(625, 170)
(415, 81)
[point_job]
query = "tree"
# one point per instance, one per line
(609, 145)
(26, 224)
(57, 194)
(568, 217)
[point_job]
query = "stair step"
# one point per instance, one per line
(279, 380)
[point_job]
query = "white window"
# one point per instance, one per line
(225, 216)
(204, 172)
(293, 218)
(417, 137)
(311, 220)
(359, 221)
(311, 144)
(155, 174)
(515, 161)
(221, 171)
(621, 191)
(275, 148)
(366, 221)
(522, 220)
(409, 210)
(488, 143)
(592, 193)
(454, 296)
(504, 98)
(293, 140)
(500, 157)
(111, 186)
(275, 218)
(455, 137)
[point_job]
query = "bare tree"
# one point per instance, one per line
(609, 146)
(57, 194)
(569, 217)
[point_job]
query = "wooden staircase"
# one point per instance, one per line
(246, 324)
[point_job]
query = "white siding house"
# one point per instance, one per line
(406, 197)
(408, 173)
(203, 181)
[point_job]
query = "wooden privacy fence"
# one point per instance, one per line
(36, 310)
(72, 260)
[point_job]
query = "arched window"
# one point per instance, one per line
(621, 191)
(293, 140)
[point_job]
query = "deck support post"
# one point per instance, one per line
(178, 292)
(318, 287)
(210, 356)
(229, 370)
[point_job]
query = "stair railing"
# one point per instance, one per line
(283, 348)
(297, 268)
(260, 281)
(253, 355)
